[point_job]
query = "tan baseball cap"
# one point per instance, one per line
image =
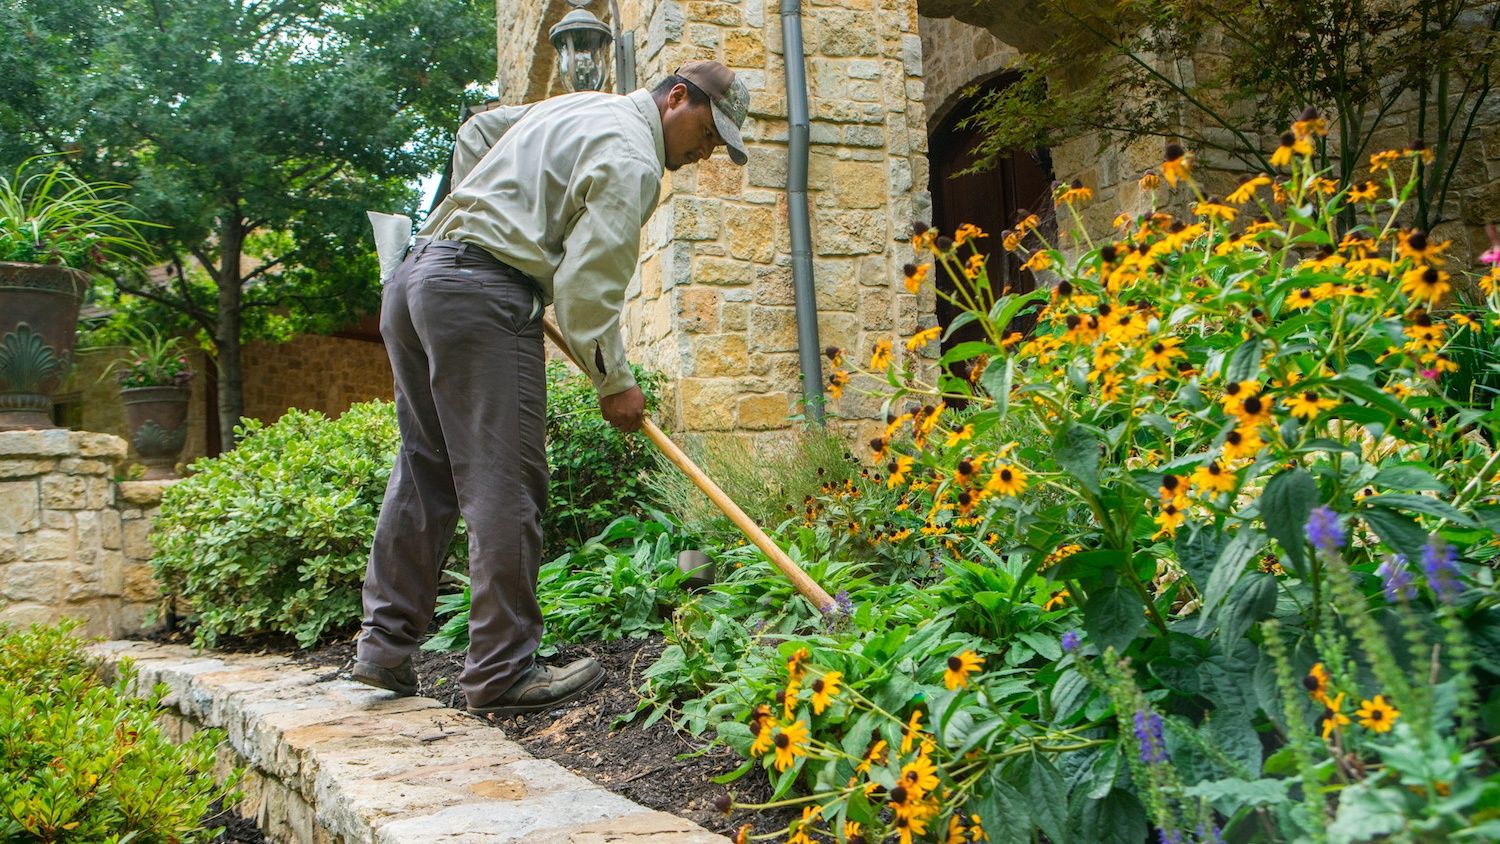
(731, 102)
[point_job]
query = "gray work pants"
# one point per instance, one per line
(464, 335)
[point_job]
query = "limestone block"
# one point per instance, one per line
(42, 583)
(865, 136)
(733, 316)
(47, 545)
(100, 493)
(709, 270)
(842, 32)
(111, 565)
(56, 442)
(842, 111)
(137, 546)
(659, 827)
(720, 355)
(10, 549)
(137, 618)
(833, 284)
(77, 466)
(25, 468)
(106, 446)
(839, 232)
(744, 49)
(718, 176)
(58, 519)
(773, 329)
(703, 35)
(698, 310)
(110, 528)
(858, 184)
(695, 218)
(764, 412)
(773, 286)
(83, 583)
(766, 167)
(875, 313)
(707, 404)
(25, 615)
(64, 492)
(751, 233)
(144, 493)
(709, 11)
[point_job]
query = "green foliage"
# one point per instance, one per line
(48, 215)
(85, 762)
(598, 474)
(258, 134)
(154, 359)
(274, 535)
(1117, 69)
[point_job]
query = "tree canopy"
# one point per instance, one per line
(257, 131)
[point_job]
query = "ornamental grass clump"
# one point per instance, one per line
(1230, 463)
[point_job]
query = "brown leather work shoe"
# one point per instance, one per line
(542, 687)
(402, 679)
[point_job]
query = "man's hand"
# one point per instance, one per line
(626, 411)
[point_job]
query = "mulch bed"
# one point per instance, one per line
(643, 765)
(236, 829)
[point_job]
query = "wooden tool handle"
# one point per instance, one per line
(806, 585)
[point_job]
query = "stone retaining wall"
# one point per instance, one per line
(72, 538)
(329, 761)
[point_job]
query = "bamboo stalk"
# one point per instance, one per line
(806, 585)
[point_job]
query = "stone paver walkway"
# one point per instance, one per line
(333, 761)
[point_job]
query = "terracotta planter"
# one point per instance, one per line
(158, 427)
(38, 325)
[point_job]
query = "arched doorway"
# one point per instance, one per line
(988, 199)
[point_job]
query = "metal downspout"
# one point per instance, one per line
(796, 194)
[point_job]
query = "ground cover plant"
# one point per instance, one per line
(272, 537)
(84, 761)
(1274, 528)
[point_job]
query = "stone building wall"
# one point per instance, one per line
(954, 56)
(314, 372)
(712, 303)
(72, 540)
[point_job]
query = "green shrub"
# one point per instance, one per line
(598, 474)
(274, 536)
(81, 761)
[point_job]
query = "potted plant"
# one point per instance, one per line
(154, 380)
(55, 228)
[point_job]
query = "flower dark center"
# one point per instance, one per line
(1310, 396)
(955, 664)
(1158, 348)
(1253, 405)
(1005, 475)
(1429, 276)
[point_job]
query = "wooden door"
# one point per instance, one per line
(990, 200)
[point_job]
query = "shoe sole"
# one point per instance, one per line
(526, 708)
(375, 681)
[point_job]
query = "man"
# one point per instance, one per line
(549, 205)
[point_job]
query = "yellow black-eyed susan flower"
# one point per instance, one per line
(912, 733)
(1242, 442)
(1310, 123)
(1254, 410)
(878, 448)
(1247, 187)
(1289, 147)
(1074, 192)
(923, 337)
(824, 689)
(1161, 353)
(1039, 260)
(1333, 716)
(967, 232)
(960, 667)
(790, 742)
(1302, 297)
(1367, 192)
(837, 380)
(1425, 284)
(915, 274)
(1175, 164)
(1384, 159)
(1417, 245)
(1172, 487)
(1213, 479)
(960, 435)
(1376, 715)
(1169, 519)
(899, 469)
(1150, 181)
(881, 357)
(919, 776)
(1308, 404)
(1007, 479)
(797, 664)
(1213, 209)
(1418, 149)
(1316, 683)
(1056, 599)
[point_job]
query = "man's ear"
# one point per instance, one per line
(677, 95)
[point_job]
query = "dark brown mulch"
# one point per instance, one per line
(641, 764)
(235, 829)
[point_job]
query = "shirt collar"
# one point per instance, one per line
(647, 106)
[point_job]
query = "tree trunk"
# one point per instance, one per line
(227, 332)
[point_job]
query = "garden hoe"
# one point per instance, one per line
(809, 589)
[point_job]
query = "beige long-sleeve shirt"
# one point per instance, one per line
(560, 189)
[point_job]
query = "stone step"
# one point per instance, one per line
(334, 762)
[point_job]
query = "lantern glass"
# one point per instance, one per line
(582, 58)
